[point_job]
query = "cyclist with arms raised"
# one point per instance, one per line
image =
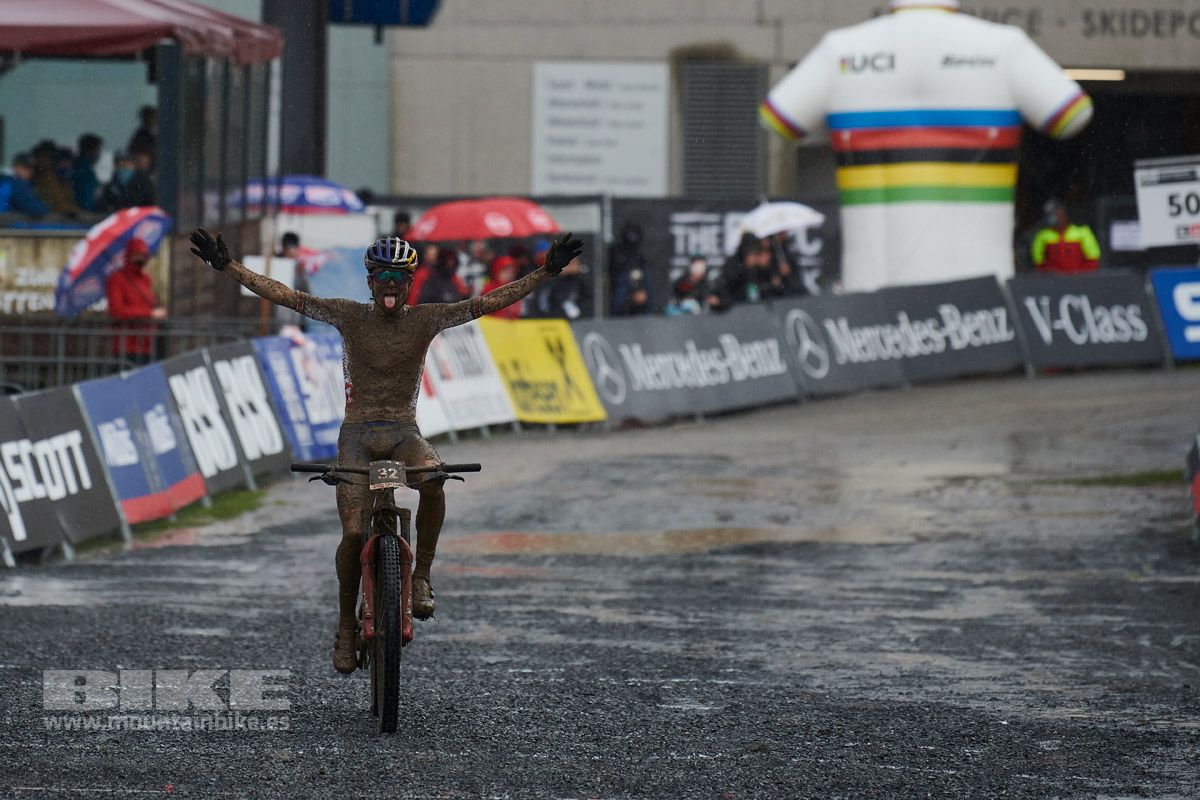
(385, 342)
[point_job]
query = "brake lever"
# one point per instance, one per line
(435, 477)
(330, 478)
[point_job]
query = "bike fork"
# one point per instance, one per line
(367, 562)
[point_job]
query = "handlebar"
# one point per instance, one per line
(324, 468)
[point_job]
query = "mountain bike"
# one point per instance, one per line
(385, 596)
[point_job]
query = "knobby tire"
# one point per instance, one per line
(385, 654)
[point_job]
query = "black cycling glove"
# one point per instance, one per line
(211, 251)
(564, 250)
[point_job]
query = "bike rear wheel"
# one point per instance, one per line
(385, 650)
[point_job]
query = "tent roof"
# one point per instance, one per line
(72, 28)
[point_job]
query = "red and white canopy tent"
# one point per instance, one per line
(108, 28)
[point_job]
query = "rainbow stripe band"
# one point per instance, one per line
(1061, 119)
(772, 118)
(938, 182)
(970, 140)
(926, 155)
(926, 118)
(947, 155)
(882, 176)
(928, 194)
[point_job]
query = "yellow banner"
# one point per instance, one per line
(542, 370)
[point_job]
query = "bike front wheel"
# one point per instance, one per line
(385, 650)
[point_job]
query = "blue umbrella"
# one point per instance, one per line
(298, 194)
(102, 252)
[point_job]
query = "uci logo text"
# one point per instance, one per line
(873, 62)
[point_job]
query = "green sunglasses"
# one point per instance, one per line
(394, 275)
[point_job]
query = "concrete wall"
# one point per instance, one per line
(462, 88)
(359, 108)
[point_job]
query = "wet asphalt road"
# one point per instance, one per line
(890, 595)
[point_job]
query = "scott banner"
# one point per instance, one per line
(63, 469)
(653, 368)
(143, 444)
(1102, 318)
(542, 371)
(27, 520)
(248, 408)
(466, 380)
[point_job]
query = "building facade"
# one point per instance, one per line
(463, 91)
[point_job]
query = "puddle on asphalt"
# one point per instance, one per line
(687, 540)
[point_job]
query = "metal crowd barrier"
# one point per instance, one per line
(40, 355)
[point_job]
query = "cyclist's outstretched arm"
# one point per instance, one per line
(562, 252)
(214, 253)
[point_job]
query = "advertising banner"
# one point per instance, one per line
(467, 383)
(610, 346)
(65, 471)
(205, 421)
(1101, 318)
(431, 413)
(319, 364)
(948, 330)
(27, 521)
(542, 371)
(1177, 291)
(835, 343)
(655, 368)
(274, 356)
(245, 402)
(143, 444)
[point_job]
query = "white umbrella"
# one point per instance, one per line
(772, 218)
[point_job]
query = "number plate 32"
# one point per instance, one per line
(388, 475)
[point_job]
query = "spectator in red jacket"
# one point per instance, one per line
(132, 304)
(438, 282)
(504, 270)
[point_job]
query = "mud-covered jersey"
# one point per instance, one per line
(384, 354)
(923, 108)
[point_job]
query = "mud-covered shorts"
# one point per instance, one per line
(359, 443)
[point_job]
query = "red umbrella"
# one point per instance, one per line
(489, 218)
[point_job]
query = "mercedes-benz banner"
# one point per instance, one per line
(654, 368)
(838, 344)
(1101, 318)
(952, 329)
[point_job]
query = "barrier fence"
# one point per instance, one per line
(87, 460)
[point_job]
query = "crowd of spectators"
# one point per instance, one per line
(760, 270)
(54, 183)
(447, 274)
